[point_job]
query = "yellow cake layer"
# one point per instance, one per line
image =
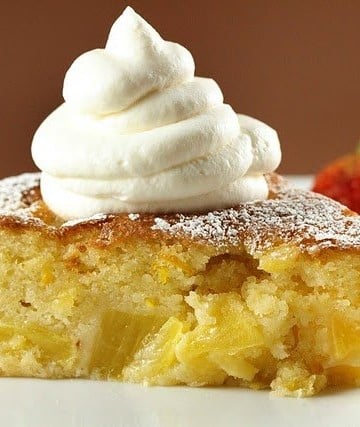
(159, 313)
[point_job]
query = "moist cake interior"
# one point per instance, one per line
(264, 295)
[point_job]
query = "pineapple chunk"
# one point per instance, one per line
(225, 329)
(157, 356)
(235, 365)
(120, 336)
(345, 339)
(51, 345)
(340, 375)
(279, 259)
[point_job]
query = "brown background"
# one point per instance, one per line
(294, 64)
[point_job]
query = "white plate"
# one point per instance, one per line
(301, 181)
(37, 403)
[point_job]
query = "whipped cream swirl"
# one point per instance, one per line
(139, 133)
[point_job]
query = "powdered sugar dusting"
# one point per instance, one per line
(306, 219)
(216, 227)
(133, 216)
(94, 218)
(12, 191)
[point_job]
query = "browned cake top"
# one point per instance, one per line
(309, 220)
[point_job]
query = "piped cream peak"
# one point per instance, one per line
(138, 132)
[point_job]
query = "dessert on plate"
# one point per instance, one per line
(158, 246)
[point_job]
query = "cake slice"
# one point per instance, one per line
(265, 294)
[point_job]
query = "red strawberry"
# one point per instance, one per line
(340, 180)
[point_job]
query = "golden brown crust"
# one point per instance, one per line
(309, 220)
